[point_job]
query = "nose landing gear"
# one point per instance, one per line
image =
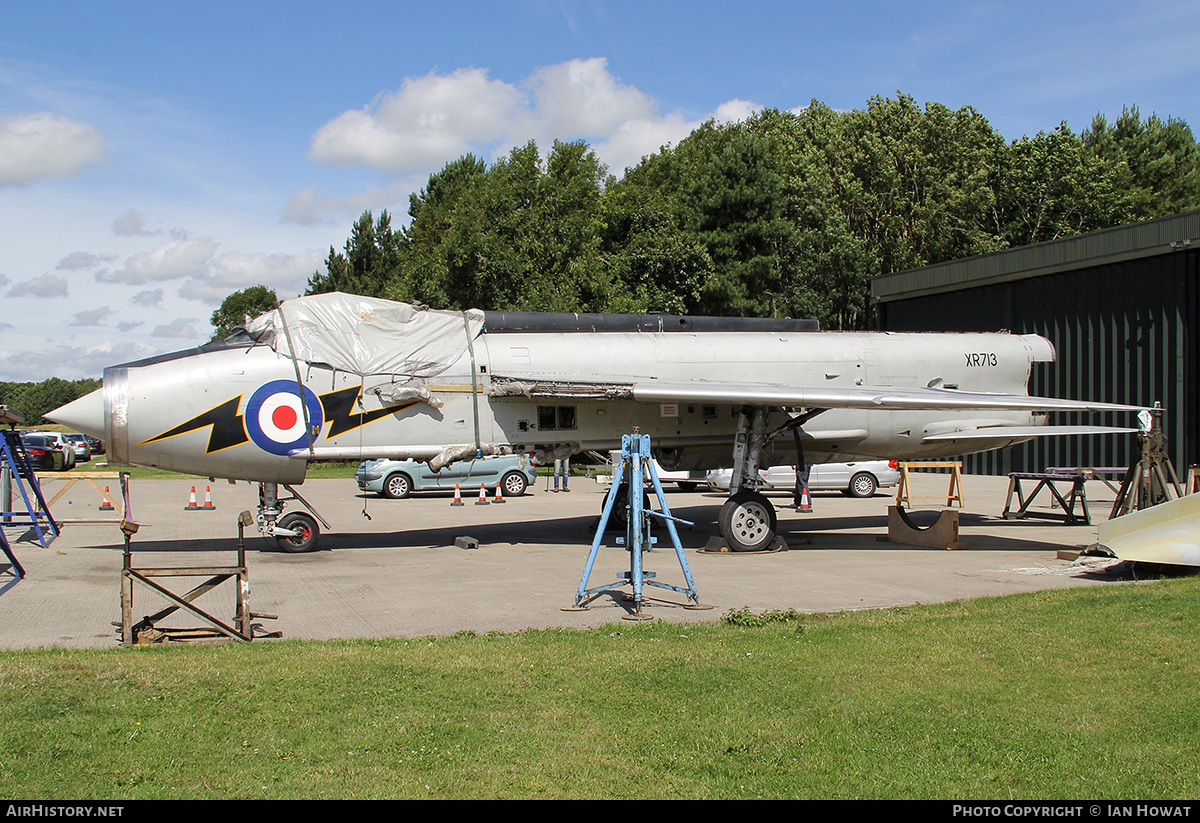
(295, 532)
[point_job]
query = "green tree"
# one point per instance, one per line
(1161, 161)
(1052, 185)
(370, 260)
(240, 305)
(33, 400)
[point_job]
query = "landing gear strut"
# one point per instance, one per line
(747, 520)
(296, 531)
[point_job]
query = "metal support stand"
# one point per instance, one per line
(18, 570)
(146, 630)
(18, 471)
(634, 466)
(1152, 479)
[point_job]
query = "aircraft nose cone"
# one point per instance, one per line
(83, 415)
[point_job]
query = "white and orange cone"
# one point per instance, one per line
(457, 497)
(499, 497)
(107, 505)
(805, 501)
(208, 504)
(191, 506)
(482, 501)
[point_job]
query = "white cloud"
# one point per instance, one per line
(46, 285)
(419, 126)
(581, 98)
(132, 224)
(90, 317)
(432, 120)
(82, 260)
(309, 207)
(179, 328)
(129, 325)
(175, 260)
(67, 362)
(287, 274)
(149, 298)
(40, 145)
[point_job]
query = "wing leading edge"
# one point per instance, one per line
(861, 397)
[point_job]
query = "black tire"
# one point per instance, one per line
(747, 522)
(686, 485)
(306, 541)
(397, 486)
(862, 484)
(513, 484)
(620, 510)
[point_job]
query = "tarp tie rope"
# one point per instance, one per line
(474, 384)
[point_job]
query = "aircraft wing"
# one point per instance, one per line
(860, 397)
(994, 432)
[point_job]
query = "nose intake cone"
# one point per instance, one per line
(83, 415)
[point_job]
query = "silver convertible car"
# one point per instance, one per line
(400, 478)
(860, 479)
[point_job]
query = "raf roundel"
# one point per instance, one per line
(275, 417)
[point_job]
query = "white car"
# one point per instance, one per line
(860, 479)
(685, 481)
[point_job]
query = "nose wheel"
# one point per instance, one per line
(295, 532)
(305, 532)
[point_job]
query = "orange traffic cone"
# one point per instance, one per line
(499, 498)
(805, 501)
(107, 505)
(208, 504)
(482, 501)
(191, 506)
(457, 497)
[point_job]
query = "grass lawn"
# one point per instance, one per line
(1081, 694)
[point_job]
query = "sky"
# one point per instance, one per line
(156, 157)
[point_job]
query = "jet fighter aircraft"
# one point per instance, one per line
(344, 377)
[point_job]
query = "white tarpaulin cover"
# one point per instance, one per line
(367, 335)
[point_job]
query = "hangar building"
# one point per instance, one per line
(1120, 306)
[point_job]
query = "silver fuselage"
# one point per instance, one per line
(193, 412)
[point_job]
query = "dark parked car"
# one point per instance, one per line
(42, 454)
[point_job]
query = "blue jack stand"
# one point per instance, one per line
(16, 468)
(635, 457)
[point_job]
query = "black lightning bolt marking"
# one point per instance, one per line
(228, 430)
(339, 404)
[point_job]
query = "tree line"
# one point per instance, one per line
(780, 215)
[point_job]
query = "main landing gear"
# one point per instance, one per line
(295, 531)
(747, 520)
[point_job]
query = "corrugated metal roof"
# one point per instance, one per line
(1152, 237)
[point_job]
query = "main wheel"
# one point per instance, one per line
(397, 486)
(306, 538)
(747, 522)
(862, 484)
(514, 484)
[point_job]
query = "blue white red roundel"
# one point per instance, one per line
(275, 417)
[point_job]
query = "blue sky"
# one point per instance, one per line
(155, 157)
